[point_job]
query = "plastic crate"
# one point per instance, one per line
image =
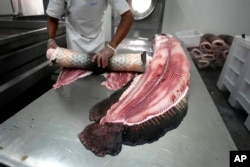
(190, 38)
(235, 75)
(240, 95)
(247, 122)
(233, 67)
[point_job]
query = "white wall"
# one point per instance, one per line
(24, 7)
(31, 7)
(6, 7)
(213, 16)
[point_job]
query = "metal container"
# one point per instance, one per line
(22, 56)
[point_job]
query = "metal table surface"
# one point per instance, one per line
(44, 133)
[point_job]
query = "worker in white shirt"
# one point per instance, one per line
(84, 20)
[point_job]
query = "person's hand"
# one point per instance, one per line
(51, 43)
(102, 57)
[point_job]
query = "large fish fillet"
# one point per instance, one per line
(147, 107)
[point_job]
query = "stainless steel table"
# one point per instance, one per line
(44, 134)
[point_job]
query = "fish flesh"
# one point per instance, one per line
(116, 80)
(148, 106)
(69, 75)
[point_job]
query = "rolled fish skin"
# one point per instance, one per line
(118, 62)
(196, 53)
(227, 38)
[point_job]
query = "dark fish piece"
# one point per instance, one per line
(202, 64)
(208, 57)
(216, 41)
(145, 109)
(205, 43)
(196, 53)
(209, 37)
(108, 138)
(227, 38)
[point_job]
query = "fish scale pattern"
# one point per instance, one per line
(119, 62)
(78, 60)
(125, 62)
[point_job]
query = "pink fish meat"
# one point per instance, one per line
(69, 75)
(116, 80)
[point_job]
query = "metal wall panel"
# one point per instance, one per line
(147, 27)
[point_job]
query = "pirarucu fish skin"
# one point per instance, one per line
(119, 62)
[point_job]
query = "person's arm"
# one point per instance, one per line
(124, 26)
(52, 25)
(123, 29)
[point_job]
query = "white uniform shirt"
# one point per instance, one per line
(84, 19)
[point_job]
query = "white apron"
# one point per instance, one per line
(84, 19)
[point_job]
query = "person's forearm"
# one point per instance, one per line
(52, 25)
(123, 29)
